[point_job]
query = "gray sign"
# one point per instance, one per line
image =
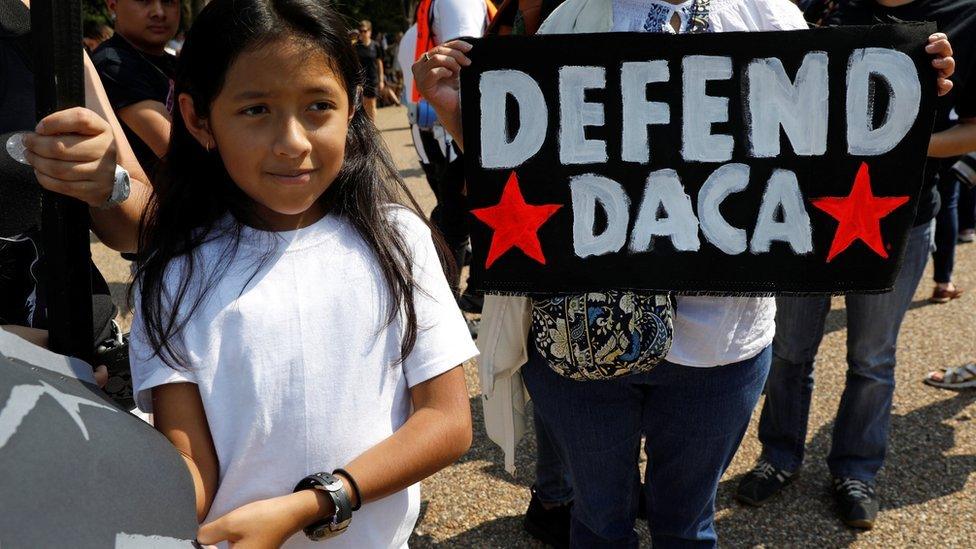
(77, 471)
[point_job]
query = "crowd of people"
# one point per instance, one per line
(298, 331)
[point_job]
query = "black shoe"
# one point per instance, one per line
(763, 482)
(550, 526)
(856, 502)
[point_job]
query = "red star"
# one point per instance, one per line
(859, 215)
(515, 223)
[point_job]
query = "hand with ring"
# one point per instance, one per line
(436, 76)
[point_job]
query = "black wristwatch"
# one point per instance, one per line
(336, 490)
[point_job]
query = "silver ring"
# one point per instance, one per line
(425, 57)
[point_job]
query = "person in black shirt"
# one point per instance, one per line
(860, 435)
(138, 73)
(371, 60)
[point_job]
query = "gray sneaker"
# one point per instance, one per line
(857, 503)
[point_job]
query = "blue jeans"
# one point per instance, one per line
(860, 435)
(694, 419)
(967, 207)
(552, 483)
(946, 230)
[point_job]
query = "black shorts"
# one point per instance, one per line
(369, 89)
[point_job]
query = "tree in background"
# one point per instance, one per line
(95, 10)
(388, 16)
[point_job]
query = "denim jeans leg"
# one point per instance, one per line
(967, 208)
(786, 410)
(552, 483)
(860, 436)
(694, 421)
(946, 230)
(597, 427)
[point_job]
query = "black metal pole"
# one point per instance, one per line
(59, 84)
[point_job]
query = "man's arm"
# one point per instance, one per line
(957, 140)
(118, 226)
(151, 122)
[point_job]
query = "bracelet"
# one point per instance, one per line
(334, 488)
(355, 487)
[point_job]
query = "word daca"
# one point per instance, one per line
(772, 101)
(666, 211)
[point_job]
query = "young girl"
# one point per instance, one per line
(291, 318)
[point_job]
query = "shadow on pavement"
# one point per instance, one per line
(917, 469)
(412, 172)
(120, 295)
(483, 449)
(494, 533)
(837, 318)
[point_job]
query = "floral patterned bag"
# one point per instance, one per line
(603, 335)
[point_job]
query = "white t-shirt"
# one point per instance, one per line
(711, 331)
(297, 369)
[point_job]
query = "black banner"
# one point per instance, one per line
(729, 163)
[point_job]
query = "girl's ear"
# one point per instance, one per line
(198, 127)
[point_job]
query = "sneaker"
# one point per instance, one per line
(856, 502)
(763, 482)
(550, 526)
(966, 236)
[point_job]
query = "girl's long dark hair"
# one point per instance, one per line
(193, 191)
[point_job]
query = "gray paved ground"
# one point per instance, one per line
(927, 487)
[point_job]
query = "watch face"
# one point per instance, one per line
(121, 189)
(15, 148)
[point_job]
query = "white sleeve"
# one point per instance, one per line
(782, 15)
(405, 54)
(443, 339)
(456, 18)
(148, 370)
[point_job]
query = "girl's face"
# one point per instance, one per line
(280, 125)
